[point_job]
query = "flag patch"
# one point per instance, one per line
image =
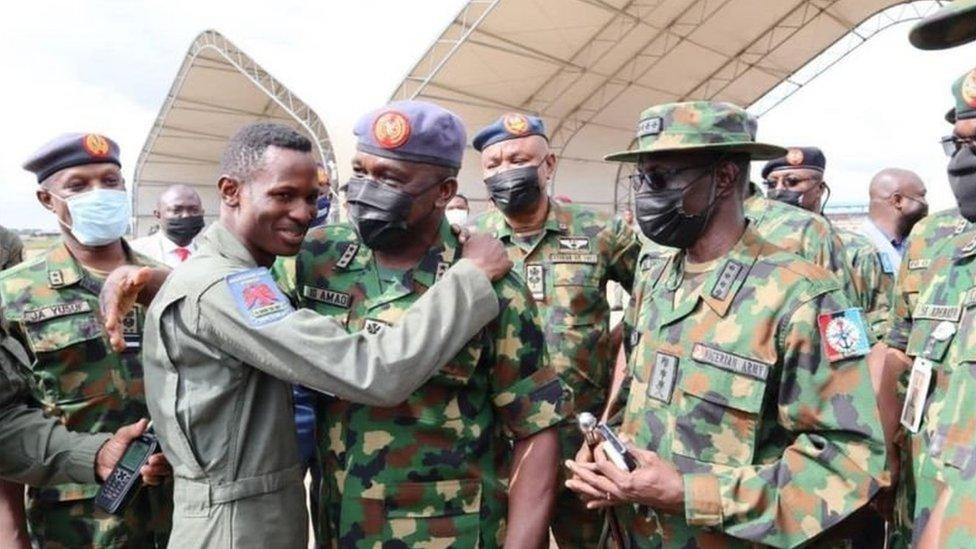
(844, 334)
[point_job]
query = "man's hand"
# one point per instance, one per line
(118, 296)
(655, 483)
(488, 254)
(153, 472)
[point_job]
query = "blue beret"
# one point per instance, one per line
(807, 158)
(510, 126)
(415, 131)
(70, 150)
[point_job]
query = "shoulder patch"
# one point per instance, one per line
(730, 271)
(41, 314)
(844, 334)
(258, 298)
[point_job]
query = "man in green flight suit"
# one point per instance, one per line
(433, 469)
(50, 305)
(566, 254)
(750, 407)
(223, 346)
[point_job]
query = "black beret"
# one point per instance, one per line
(808, 158)
(70, 150)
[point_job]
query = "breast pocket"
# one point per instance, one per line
(717, 414)
(438, 514)
(70, 360)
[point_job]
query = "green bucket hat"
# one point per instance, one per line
(964, 94)
(952, 25)
(697, 126)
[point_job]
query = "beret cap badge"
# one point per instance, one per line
(516, 124)
(391, 129)
(794, 157)
(95, 145)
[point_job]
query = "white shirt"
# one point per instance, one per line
(160, 248)
(883, 243)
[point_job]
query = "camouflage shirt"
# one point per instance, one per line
(772, 423)
(922, 249)
(873, 276)
(431, 469)
(566, 269)
(943, 340)
(50, 304)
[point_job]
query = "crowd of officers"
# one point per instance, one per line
(778, 381)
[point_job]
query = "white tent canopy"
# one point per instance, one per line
(589, 67)
(218, 90)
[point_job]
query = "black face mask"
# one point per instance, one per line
(962, 179)
(793, 198)
(515, 191)
(660, 217)
(379, 213)
(181, 230)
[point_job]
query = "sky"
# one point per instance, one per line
(106, 66)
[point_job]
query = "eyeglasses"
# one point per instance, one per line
(659, 179)
(951, 144)
(790, 181)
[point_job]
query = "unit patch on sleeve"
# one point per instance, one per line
(844, 334)
(330, 297)
(258, 298)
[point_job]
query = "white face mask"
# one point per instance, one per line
(98, 217)
(457, 216)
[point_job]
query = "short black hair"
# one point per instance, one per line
(245, 150)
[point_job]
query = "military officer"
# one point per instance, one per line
(797, 178)
(566, 254)
(750, 407)
(223, 345)
(50, 304)
(431, 470)
(934, 416)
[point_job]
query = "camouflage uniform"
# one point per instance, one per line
(925, 253)
(567, 269)
(734, 385)
(50, 304)
(11, 248)
(800, 232)
(873, 276)
(942, 333)
(431, 469)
